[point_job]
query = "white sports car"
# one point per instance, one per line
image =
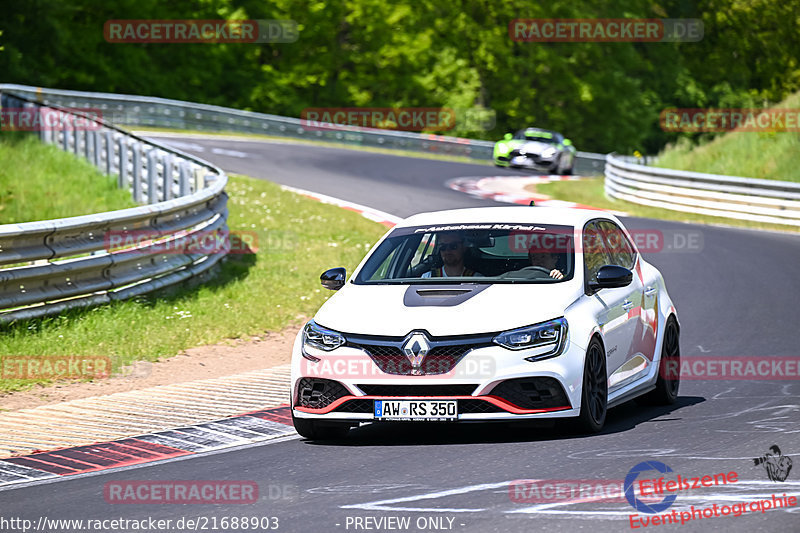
(488, 314)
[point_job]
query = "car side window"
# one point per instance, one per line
(397, 260)
(595, 254)
(619, 249)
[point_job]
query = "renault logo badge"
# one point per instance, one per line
(416, 348)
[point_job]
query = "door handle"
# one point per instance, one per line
(627, 305)
(650, 291)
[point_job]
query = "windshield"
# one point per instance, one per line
(537, 136)
(472, 253)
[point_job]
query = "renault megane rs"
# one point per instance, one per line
(488, 314)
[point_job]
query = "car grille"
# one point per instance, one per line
(443, 356)
(532, 393)
(536, 158)
(319, 393)
(418, 390)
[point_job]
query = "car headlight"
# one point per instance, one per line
(315, 336)
(546, 339)
(549, 152)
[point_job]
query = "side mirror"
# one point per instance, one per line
(333, 278)
(612, 277)
(507, 136)
(567, 142)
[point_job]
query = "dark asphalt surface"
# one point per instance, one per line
(736, 295)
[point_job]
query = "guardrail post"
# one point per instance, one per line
(137, 172)
(152, 177)
(76, 149)
(97, 153)
(66, 140)
(45, 131)
(87, 145)
(122, 182)
(52, 136)
(169, 167)
(184, 186)
(109, 151)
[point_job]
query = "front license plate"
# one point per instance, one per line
(433, 410)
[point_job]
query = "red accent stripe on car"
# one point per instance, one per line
(499, 402)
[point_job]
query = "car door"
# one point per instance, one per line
(616, 314)
(643, 294)
(645, 310)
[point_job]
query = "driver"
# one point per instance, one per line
(452, 249)
(547, 260)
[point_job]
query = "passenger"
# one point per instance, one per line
(452, 249)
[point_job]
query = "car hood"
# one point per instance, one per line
(535, 147)
(444, 309)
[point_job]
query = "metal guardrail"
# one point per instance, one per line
(145, 111)
(53, 265)
(771, 201)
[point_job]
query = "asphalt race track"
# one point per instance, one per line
(736, 294)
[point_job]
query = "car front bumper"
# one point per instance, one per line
(489, 383)
(527, 161)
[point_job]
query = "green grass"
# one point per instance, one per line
(764, 155)
(591, 192)
(310, 141)
(298, 239)
(39, 182)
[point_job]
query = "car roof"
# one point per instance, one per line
(565, 216)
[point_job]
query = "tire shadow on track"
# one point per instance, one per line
(622, 418)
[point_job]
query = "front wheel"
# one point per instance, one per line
(594, 396)
(318, 430)
(561, 168)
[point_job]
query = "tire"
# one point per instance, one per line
(318, 430)
(594, 393)
(669, 376)
(556, 168)
(561, 171)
